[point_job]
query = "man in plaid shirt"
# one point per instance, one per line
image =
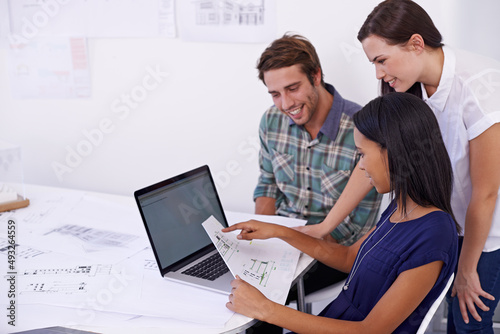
(307, 151)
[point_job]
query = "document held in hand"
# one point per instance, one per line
(269, 265)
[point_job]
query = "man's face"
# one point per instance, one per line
(293, 93)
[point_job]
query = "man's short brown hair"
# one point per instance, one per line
(287, 51)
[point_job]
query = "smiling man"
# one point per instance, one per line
(307, 151)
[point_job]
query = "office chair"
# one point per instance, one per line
(428, 317)
(330, 293)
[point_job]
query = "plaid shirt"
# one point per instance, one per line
(305, 176)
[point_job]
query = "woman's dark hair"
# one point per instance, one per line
(287, 51)
(418, 162)
(396, 21)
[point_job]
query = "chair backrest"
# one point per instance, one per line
(428, 317)
(328, 293)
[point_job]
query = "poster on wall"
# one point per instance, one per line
(4, 24)
(227, 21)
(91, 18)
(49, 68)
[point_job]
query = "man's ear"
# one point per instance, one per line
(317, 78)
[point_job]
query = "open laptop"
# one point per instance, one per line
(173, 211)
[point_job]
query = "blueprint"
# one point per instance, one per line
(269, 265)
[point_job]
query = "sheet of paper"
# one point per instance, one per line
(4, 23)
(194, 305)
(22, 252)
(132, 287)
(191, 304)
(91, 18)
(166, 18)
(89, 286)
(102, 213)
(94, 244)
(34, 316)
(269, 265)
(238, 217)
(88, 227)
(240, 21)
(50, 68)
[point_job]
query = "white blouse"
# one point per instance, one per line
(467, 103)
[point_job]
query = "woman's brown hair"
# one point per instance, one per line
(396, 21)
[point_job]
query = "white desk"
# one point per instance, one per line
(61, 316)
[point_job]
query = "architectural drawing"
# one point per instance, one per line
(59, 287)
(38, 280)
(66, 284)
(225, 247)
(22, 252)
(268, 265)
(150, 265)
(86, 270)
(95, 236)
(259, 271)
(229, 12)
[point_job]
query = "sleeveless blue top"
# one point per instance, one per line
(408, 245)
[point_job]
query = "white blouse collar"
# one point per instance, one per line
(438, 100)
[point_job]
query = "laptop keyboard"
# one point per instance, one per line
(209, 269)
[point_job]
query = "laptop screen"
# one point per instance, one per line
(173, 211)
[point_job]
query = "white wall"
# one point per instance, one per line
(207, 110)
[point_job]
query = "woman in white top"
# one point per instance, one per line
(463, 90)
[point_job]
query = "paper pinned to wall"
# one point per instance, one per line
(228, 21)
(91, 18)
(50, 67)
(4, 24)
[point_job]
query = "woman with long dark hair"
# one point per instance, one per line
(463, 91)
(399, 268)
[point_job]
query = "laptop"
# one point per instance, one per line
(173, 211)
